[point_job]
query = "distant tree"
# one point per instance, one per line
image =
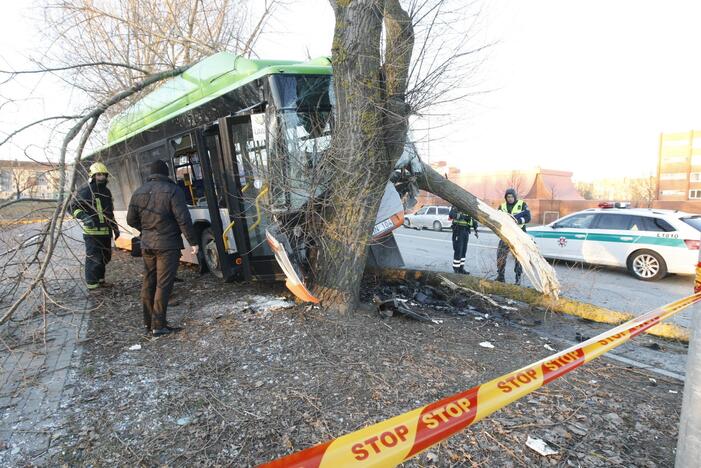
(585, 189)
(643, 191)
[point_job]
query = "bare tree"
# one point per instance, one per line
(585, 189)
(377, 88)
(643, 191)
(119, 42)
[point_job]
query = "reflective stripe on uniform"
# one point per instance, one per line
(97, 231)
(98, 207)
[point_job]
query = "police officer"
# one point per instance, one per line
(518, 209)
(462, 223)
(92, 205)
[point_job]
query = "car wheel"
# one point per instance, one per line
(437, 226)
(407, 223)
(647, 265)
(208, 246)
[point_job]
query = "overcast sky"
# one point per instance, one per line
(584, 86)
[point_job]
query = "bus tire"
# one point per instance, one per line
(208, 246)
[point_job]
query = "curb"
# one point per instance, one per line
(531, 296)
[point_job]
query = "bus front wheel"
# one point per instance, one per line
(209, 251)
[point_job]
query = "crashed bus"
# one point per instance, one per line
(242, 139)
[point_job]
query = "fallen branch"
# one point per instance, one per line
(539, 271)
(485, 298)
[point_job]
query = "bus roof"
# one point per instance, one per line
(208, 79)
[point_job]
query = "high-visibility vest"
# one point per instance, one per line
(517, 208)
(462, 222)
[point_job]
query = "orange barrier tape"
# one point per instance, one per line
(395, 440)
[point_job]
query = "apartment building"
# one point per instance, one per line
(679, 166)
(27, 179)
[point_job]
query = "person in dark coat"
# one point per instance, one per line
(518, 209)
(462, 224)
(159, 211)
(93, 206)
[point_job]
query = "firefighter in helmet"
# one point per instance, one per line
(92, 205)
(462, 223)
(518, 209)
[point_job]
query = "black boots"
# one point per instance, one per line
(500, 278)
(518, 280)
(165, 331)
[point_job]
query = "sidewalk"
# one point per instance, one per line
(37, 374)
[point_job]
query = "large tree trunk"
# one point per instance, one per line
(371, 123)
(541, 274)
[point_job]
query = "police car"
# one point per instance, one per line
(650, 243)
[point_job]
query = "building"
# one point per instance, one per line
(679, 166)
(27, 179)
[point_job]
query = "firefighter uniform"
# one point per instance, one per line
(92, 205)
(462, 223)
(518, 209)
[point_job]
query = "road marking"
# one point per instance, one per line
(447, 241)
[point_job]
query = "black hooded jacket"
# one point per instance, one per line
(159, 211)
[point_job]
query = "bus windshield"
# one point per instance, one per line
(303, 105)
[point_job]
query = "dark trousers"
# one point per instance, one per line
(160, 268)
(461, 236)
(502, 253)
(98, 253)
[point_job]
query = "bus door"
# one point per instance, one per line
(222, 258)
(244, 161)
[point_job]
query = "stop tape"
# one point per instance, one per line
(402, 437)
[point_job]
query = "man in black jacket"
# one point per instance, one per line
(92, 205)
(159, 211)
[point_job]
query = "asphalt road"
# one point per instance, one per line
(603, 286)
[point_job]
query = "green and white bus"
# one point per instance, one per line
(242, 138)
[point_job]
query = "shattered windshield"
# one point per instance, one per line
(303, 106)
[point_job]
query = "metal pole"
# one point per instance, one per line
(689, 441)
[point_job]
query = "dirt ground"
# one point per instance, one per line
(254, 377)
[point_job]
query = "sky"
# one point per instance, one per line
(581, 86)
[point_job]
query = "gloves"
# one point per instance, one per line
(477, 236)
(115, 233)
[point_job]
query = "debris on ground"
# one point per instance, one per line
(246, 382)
(540, 446)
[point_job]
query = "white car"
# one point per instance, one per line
(429, 217)
(650, 243)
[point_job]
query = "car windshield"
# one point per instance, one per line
(694, 222)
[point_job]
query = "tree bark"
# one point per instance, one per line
(541, 274)
(371, 123)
